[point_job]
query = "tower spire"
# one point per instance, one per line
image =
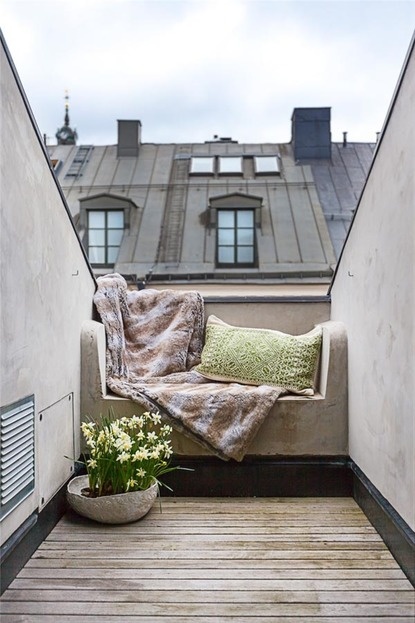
(67, 109)
(65, 135)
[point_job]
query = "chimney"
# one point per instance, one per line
(129, 138)
(310, 133)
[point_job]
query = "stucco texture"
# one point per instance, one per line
(46, 294)
(373, 294)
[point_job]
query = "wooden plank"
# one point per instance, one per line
(202, 584)
(204, 560)
(214, 596)
(249, 540)
(177, 575)
(283, 521)
(167, 610)
(73, 618)
(160, 545)
(221, 554)
(180, 529)
(39, 566)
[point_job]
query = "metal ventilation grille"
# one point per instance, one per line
(17, 463)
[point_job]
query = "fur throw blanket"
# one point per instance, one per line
(154, 339)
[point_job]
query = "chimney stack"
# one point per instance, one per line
(129, 138)
(311, 133)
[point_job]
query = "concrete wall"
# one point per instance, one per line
(46, 294)
(373, 294)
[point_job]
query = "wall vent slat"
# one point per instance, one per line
(17, 442)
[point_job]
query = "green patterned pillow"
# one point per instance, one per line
(260, 356)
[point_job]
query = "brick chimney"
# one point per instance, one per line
(310, 133)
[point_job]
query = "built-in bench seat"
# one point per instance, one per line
(296, 425)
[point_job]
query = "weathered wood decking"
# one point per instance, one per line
(201, 560)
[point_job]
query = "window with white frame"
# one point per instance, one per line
(105, 232)
(202, 165)
(236, 238)
(266, 164)
(230, 165)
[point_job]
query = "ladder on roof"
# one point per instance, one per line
(171, 235)
(79, 162)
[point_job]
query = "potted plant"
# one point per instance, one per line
(127, 457)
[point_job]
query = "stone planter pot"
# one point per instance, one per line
(114, 509)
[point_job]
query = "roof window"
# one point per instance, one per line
(266, 164)
(202, 165)
(230, 164)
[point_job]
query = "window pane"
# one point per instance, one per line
(115, 219)
(115, 236)
(201, 165)
(266, 164)
(96, 219)
(245, 255)
(112, 254)
(226, 218)
(226, 236)
(245, 218)
(225, 255)
(96, 255)
(245, 236)
(96, 237)
(230, 165)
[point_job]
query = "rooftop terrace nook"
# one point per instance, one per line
(325, 529)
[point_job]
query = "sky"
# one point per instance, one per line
(192, 69)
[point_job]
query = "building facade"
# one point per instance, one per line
(216, 211)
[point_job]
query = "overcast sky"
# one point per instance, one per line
(189, 69)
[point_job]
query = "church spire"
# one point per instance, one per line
(65, 135)
(66, 109)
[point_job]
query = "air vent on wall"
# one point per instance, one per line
(17, 464)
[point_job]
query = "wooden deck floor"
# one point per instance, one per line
(204, 560)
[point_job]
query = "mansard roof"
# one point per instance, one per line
(306, 207)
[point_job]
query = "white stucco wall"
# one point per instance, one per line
(373, 293)
(46, 294)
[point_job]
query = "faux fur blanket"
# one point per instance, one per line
(154, 339)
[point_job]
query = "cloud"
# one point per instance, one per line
(191, 69)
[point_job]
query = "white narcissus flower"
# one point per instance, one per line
(167, 450)
(124, 457)
(123, 442)
(131, 484)
(115, 429)
(137, 420)
(140, 455)
(156, 418)
(122, 445)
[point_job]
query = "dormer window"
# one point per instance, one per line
(105, 232)
(102, 221)
(236, 238)
(236, 218)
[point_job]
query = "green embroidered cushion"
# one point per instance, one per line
(260, 356)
